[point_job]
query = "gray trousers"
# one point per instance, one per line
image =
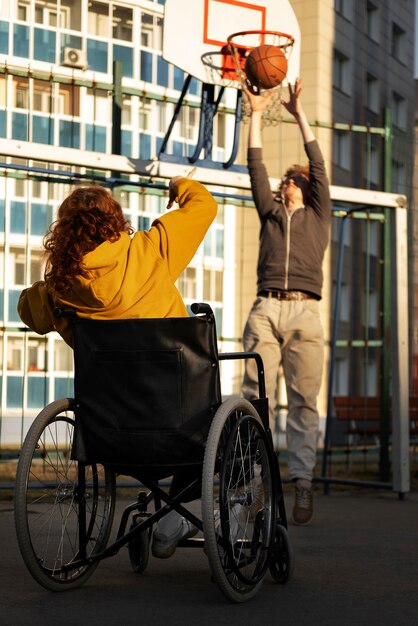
(289, 332)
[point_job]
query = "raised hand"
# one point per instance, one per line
(172, 188)
(293, 105)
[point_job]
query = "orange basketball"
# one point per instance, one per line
(266, 66)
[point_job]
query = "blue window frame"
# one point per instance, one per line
(219, 244)
(95, 138)
(178, 148)
(37, 392)
(124, 54)
(194, 86)
(43, 129)
(45, 42)
(3, 129)
(144, 223)
(97, 54)
(17, 217)
(40, 218)
(2, 214)
(20, 126)
(64, 388)
(146, 66)
(14, 295)
(4, 38)
(69, 134)
(144, 146)
(162, 72)
(14, 392)
(178, 78)
(21, 40)
(126, 147)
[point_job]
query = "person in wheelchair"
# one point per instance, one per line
(98, 266)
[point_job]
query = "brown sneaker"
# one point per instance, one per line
(303, 509)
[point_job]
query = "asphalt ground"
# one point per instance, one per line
(357, 563)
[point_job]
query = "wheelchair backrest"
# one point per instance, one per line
(145, 389)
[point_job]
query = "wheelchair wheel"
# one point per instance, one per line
(138, 548)
(282, 560)
(238, 499)
(49, 501)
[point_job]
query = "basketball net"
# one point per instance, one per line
(233, 69)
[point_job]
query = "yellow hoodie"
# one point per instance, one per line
(133, 277)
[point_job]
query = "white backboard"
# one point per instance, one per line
(195, 30)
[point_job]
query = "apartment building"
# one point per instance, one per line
(57, 73)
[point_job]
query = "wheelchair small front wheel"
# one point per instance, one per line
(138, 548)
(238, 499)
(57, 519)
(282, 560)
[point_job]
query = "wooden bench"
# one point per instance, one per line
(363, 414)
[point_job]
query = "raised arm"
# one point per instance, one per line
(294, 107)
(179, 233)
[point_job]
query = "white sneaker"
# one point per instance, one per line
(234, 522)
(170, 530)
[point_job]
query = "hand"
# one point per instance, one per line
(294, 105)
(258, 103)
(172, 188)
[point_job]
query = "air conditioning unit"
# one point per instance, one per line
(73, 57)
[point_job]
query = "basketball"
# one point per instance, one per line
(266, 66)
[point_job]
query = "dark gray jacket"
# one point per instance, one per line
(291, 247)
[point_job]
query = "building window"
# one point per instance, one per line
(46, 13)
(212, 285)
(5, 9)
(17, 266)
(372, 21)
(14, 355)
(341, 72)
(370, 238)
(399, 43)
(97, 55)
(399, 107)
(125, 55)
(371, 166)
(23, 11)
(98, 19)
(144, 114)
(344, 308)
(36, 266)
(44, 45)
(63, 357)
(341, 377)
(372, 93)
(122, 21)
(342, 150)
(344, 8)
(187, 283)
(70, 15)
(213, 243)
(151, 31)
(69, 100)
(399, 179)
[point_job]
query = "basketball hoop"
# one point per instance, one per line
(234, 55)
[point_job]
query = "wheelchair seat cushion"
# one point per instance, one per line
(145, 389)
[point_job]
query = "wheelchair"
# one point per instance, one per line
(147, 405)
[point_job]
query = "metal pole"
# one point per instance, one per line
(117, 104)
(384, 463)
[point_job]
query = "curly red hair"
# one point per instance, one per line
(87, 217)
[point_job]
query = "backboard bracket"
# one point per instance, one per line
(210, 100)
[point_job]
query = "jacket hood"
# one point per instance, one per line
(105, 267)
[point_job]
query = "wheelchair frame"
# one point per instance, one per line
(243, 519)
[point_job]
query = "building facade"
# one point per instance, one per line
(57, 73)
